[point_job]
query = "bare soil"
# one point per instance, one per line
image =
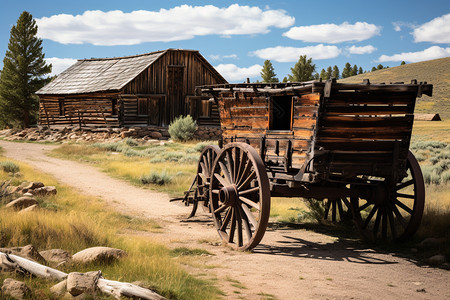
(289, 263)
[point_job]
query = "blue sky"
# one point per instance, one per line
(237, 36)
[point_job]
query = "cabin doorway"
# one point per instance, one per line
(175, 95)
(280, 113)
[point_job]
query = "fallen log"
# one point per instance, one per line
(114, 288)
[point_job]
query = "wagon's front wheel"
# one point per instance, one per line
(396, 210)
(240, 196)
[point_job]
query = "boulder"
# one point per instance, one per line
(156, 135)
(56, 256)
(431, 242)
(436, 260)
(33, 185)
(44, 191)
(59, 289)
(15, 289)
(79, 283)
(98, 254)
(21, 203)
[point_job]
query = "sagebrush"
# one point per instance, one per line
(183, 128)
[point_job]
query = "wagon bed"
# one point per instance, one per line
(347, 144)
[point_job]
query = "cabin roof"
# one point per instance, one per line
(104, 74)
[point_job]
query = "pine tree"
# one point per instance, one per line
(402, 63)
(303, 70)
(335, 73)
(285, 79)
(267, 72)
(373, 69)
(329, 72)
(347, 70)
(380, 67)
(360, 71)
(23, 74)
(323, 74)
(354, 71)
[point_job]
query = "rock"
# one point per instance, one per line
(431, 242)
(59, 289)
(21, 203)
(29, 208)
(156, 135)
(436, 260)
(27, 194)
(13, 189)
(98, 254)
(15, 289)
(29, 252)
(79, 283)
(56, 256)
(33, 185)
(44, 191)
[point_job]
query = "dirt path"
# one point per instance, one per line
(288, 264)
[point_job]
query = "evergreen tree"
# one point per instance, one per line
(360, 71)
(285, 79)
(303, 70)
(354, 71)
(373, 69)
(267, 72)
(380, 67)
(335, 73)
(347, 70)
(329, 72)
(22, 75)
(402, 63)
(323, 74)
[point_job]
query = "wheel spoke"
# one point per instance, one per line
(399, 216)
(405, 208)
(222, 180)
(245, 222)
(369, 217)
(226, 173)
(333, 210)
(327, 208)
(247, 168)
(250, 202)
(405, 196)
(392, 223)
(346, 202)
(226, 220)
(235, 163)
(341, 210)
(233, 226)
(220, 209)
(249, 214)
(249, 191)
(376, 226)
(248, 180)
(384, 226)
(404, 184)
(239, 227)
(229, 166)
(241, 166)
(364, 206)
(216, 192)
(203, 167)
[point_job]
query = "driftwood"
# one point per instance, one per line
(114, 288)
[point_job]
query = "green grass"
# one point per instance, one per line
(76, 222)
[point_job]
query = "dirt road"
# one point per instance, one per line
(288, 264)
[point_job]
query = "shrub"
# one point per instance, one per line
(9, 167)
(183, 128)
(445, 176)
(200, 146)
(130, 142)
(156, 178)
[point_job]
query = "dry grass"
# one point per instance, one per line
(73, 222)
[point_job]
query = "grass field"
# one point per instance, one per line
(74, 222)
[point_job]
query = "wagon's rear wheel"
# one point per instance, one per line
(396, 210)
(240, 196)
(337, 210)
(204, 169)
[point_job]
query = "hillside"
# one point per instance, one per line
(436, 72)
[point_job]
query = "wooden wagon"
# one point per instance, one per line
(345, 144)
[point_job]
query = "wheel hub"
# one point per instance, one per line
(228, 195)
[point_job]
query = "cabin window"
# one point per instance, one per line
(205, 108)
(280, 117)
(61, 107)
(143, 106)
(114, 107)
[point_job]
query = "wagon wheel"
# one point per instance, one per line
(337, 210)
(240, 196)
(396, 210)
(205, 164)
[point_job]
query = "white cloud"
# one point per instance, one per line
(332, 33)
(435, 31)
(233, 73)
(433, 52)
(59, 64)
(222, 57)
(291, 54)
(399, 24)
(178, 23)
(361, 50)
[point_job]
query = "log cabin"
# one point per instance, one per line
(150, 89)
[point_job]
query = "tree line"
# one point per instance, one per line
(305, 70)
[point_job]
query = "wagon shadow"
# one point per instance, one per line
(339, 250)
